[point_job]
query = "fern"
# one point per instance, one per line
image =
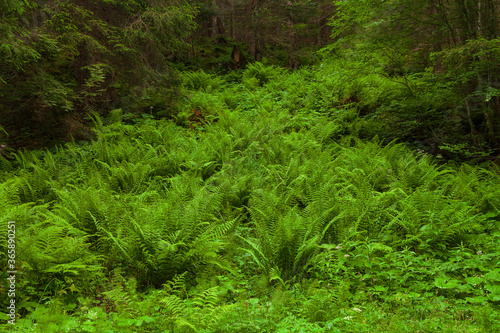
(261, 72)
(123, 294)
(201, 81)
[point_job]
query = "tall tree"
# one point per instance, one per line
(457, 37)
(269, 28)
(61, 59)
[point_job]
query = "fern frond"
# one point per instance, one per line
(207, 299)
(110, 236)
(173, 305)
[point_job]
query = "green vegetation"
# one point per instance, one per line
(226, 166)
(62, 60)
(261, 212)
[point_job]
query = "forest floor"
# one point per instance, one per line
(260, 208)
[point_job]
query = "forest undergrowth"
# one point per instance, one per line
(269, 204)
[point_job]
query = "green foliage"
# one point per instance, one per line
(272, 216)
(201, 81)
(261, 72)
(443, 58)
(276, 201)
(72, 59)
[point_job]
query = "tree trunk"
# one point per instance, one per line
(233, 20)
(214, 20)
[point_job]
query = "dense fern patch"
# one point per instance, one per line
(268, 215)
